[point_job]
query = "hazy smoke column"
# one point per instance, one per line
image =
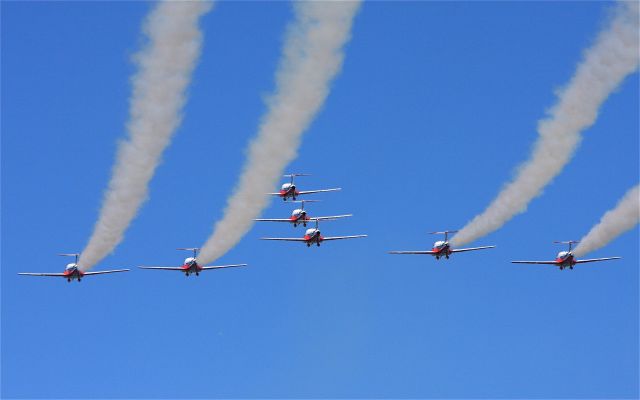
(613, 223)
(165, 66)
(613, 56)
(311, 58)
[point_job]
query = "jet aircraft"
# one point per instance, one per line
(288, 190)
(191, 266)
(72, 271)
(312, 235)
(566, 259)
(442, 248)
(299, 216)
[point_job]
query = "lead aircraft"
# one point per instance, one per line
(299, 216)
(442, 248)
(312, 235)
(566, 259)
(191, 266)
(288, 190)
(72, 271)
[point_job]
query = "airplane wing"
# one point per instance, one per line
(112, 271)
(274, 194)
(163, 268)
(273, 220)
(330, 217)
(286, 239)
(342, 237)
(535, 262)
(471, 249)
(317, 191)
(224, 266)
(40, 274)
(413, 252)
(597, 259)
(301, 220)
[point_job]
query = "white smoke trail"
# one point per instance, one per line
(613, 223)
(613, 56)
(312, 56)
(165, 67)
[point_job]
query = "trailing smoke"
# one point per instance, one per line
(165, 67)
(613, 223)
(311, 58)
(613, 56)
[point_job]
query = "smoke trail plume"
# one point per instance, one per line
(613, 223)
(605, 65)
(165, 66)
(312, 56)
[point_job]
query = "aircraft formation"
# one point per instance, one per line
(300, 216)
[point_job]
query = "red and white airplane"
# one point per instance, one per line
(566, 259)
(299, 216)
(191, 265)
(442, 248)
(288, 190)
(71, 271)
(312, 235)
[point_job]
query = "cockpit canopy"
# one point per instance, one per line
(189, 260)
(310, 232)
(286, 186)
(563, 254)
(297, 212)
(439, 243)
(71, 266)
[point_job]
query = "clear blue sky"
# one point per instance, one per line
(435, 107)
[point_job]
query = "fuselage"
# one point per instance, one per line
(441, 248)
(312, 235)
(299, 216)
(191, 266)
(565, 259)
(288, 190)
(72, 272)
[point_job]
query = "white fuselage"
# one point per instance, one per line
(191, 266)
(312, 235)
(72, 272)
(565, 259)
(299, 216)
(441, 248)
(288, 190)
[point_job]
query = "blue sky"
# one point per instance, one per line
(436, 105)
